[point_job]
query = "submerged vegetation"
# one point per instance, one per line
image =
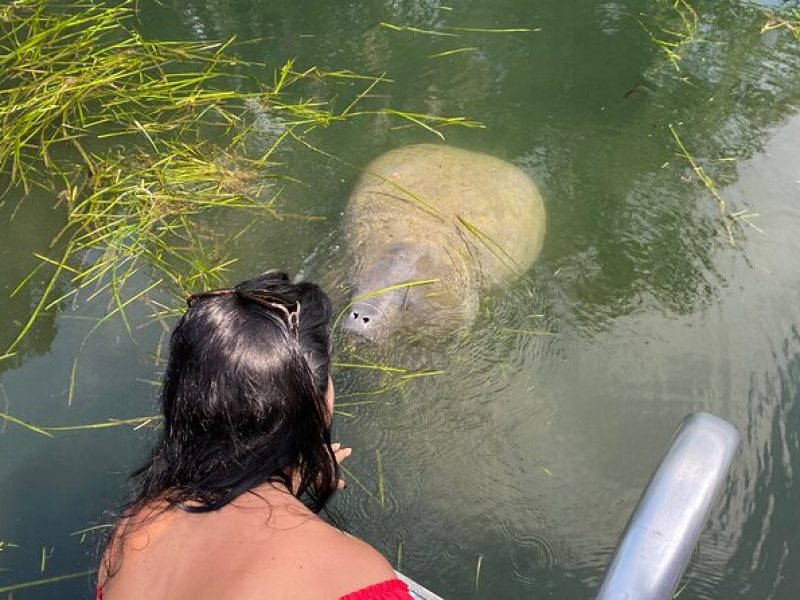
(787, 20)
(680, 28)
(671, 39)
(137, 137)
(729, 219)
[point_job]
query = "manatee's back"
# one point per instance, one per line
(467, 202)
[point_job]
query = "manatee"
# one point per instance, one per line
(458, 220)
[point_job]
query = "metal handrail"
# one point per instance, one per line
(662, 532)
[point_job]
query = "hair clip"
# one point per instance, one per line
(278, 302)
(209, 294)
(292, 318)
(262, 297)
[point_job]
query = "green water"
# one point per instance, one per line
(527, 456)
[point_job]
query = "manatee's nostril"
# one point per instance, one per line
(365, 319)
(355, 315)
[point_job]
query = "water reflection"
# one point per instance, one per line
(762, 564)
(26, 227)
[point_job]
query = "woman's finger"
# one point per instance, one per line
(342, 453)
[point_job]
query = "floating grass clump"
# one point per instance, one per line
(76, 71)
(729, 219)
(672, 39)
(137, 138)
(787, 20)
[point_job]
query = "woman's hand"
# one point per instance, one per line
(340, 454)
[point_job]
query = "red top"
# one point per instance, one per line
(391, 589)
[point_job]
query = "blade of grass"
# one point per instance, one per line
(478, 571)
(45, 581)
(495, 248)
(29, 426)
(379, 477)
(394, 27)
(493, 30)
(357, 481)
(453, 51)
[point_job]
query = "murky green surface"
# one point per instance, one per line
(512, 475)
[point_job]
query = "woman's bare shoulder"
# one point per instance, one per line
(356, 553)
(319, 557)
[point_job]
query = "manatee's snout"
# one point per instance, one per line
(365, 319)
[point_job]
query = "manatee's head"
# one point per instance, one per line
(409, 286)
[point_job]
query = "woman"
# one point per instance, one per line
(226, 506)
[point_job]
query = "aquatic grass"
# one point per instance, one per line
(421, 203)
(46, 556)
(45, 581)
(357, 403)
(425, 373)
(681, 589)
(70, 70)
(432, 123)
(433, 32)
(29, 426)
(379, 478)
(136, 422)
(380, 495)
(728, 219)
(453, 52)
(370, 366)
(139, 139)
(87, 530)
(392, 378)
(390, 387)
(494, 30)
(452, 31)
(350, 476)
(74, 74)
(787, 20)
(492, 246)
(50, 431)
(478, 564)
(531, 332)
(671, 41)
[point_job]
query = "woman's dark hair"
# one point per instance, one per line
(243, 399)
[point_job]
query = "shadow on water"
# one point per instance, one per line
(26, 227)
